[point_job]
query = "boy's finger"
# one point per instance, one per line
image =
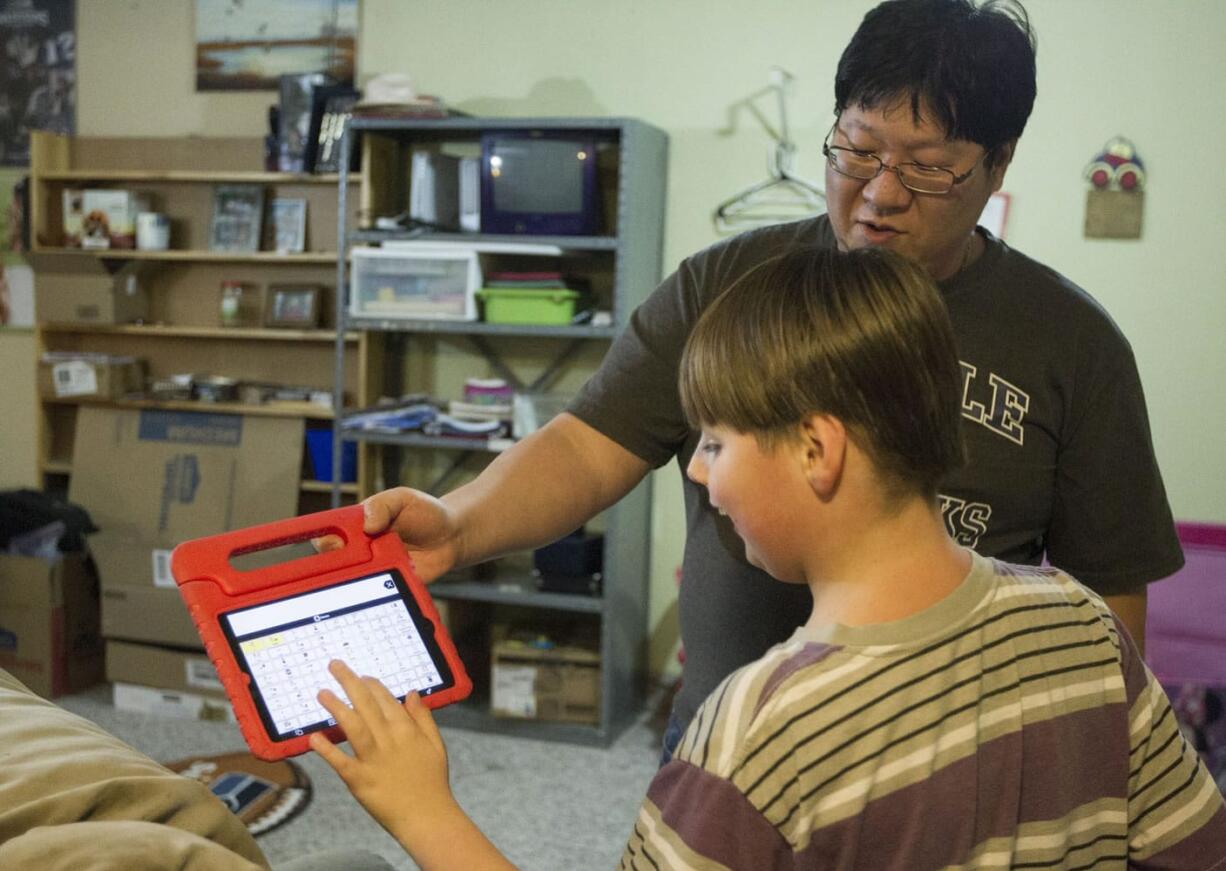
(352, 723)
(360, 696)
(421, 715)
(337, 758)
(389, 706)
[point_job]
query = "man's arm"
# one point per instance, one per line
(1131, 608)
(544, 487)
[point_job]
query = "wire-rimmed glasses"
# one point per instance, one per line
(865, 166)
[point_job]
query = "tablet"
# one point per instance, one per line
(271, 631)
(373, 623)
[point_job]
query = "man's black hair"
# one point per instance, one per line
(970, 67)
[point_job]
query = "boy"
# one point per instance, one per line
(937, 709)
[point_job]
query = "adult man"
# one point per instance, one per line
(931, 98)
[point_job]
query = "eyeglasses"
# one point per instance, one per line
(864, 166)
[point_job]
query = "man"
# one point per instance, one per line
(931, 97)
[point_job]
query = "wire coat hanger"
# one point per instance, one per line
(783, 195)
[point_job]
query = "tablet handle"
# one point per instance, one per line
(211, 557)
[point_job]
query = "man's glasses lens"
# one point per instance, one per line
(921, 179)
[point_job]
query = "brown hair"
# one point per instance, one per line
(863, 336)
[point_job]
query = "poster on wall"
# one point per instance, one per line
(38, 74)
(247, 45)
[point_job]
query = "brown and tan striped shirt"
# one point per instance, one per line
(1011, 725)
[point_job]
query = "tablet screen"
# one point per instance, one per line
(372, 623)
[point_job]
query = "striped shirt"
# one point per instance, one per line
(1010, 725)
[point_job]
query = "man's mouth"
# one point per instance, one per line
(877, 233)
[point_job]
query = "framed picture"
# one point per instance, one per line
(238, 211)
(287, 225)
(331, 106)
(292, 305)
(247, 45)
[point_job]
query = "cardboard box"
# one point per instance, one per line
(108, 217)
(70, 288)
(149, 615)
(152, 478)
(162, 668)
(560, 683)
(67, 374)
(49, 623)
(164, 703)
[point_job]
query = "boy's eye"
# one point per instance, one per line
(711, 448)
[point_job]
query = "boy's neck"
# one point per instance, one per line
(880, 569)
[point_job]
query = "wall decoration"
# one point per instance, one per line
(247, 45)
(1115, 201)
(38, 73)
(995, 214)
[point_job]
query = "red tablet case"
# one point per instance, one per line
(210, 585)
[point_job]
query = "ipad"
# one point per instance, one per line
(372, 623)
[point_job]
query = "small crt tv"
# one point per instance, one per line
(540, 183)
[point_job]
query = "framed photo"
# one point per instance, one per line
(287, 225)
(331, 106)
(238, 212)
(292, 305)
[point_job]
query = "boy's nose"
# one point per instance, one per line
(696, 471)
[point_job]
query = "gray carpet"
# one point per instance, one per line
(546, 805)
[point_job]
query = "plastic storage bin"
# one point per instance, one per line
(403, 283)
(515, 306)
(319, 446)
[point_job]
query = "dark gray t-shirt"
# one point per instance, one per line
(1061, 463)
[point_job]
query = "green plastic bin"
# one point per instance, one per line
(515, 306)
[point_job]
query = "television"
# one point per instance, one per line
(539, 182)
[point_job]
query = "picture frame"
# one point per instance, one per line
(238, 211)
(331, 106)
(292, 306)
(286, 225)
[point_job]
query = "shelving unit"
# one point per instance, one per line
(183, 332)
(623, 264)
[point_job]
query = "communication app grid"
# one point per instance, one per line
(287, 646)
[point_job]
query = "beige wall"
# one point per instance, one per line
(1151, 71)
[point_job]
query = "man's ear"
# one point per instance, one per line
(825, 452)
(1004, 158)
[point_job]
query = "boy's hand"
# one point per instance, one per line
(399, 768)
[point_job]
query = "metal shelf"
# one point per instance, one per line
(625, 264)
(474, 714)
(480, 328)
(567, 243)
(515, 592)
(419, 440)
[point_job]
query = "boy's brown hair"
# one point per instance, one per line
(863, 336)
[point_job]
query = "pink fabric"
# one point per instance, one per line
(1185, 633)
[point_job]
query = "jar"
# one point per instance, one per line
(233, 308)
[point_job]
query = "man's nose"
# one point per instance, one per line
(886, 192)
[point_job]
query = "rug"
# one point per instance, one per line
(262, 794)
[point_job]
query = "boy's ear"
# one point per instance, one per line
(825, 451)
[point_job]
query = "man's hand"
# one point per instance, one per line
(425, 524)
